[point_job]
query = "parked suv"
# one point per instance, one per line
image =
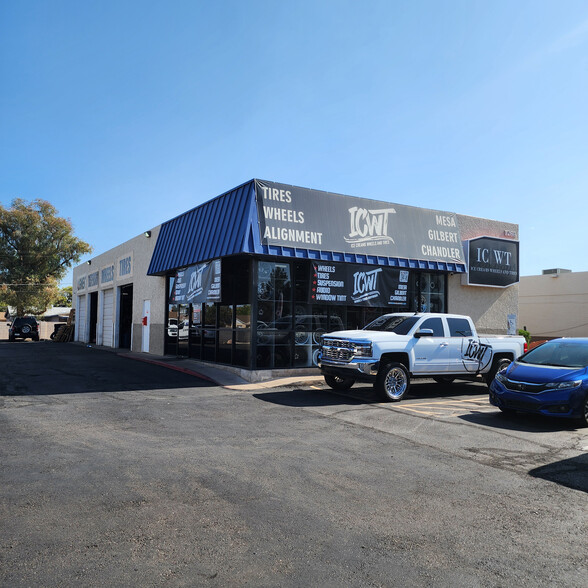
(23, 327)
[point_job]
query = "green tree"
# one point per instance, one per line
(36, 249)
(64, 297)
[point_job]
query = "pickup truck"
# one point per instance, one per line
(397, 347)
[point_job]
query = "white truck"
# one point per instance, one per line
(397, 347)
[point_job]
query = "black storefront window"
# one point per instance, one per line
(209, 332)
(267, 317)
(225, 333)
(196, 331)
(274, 320)
(431, 292)
(171, 326)
(242, 335)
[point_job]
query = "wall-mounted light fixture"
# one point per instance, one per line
(147, 234)
(89, 262)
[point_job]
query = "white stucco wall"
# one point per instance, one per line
(555, 305)
(134, 255)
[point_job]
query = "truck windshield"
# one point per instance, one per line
(400, 325)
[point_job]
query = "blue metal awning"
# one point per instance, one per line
(399, 262)
(215, 229)
(229, 225)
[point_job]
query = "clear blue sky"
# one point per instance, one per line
(124, 114)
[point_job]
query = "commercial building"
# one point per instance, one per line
(555, 304)
(253, 277)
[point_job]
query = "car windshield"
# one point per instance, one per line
(400, 325)
(561, 353)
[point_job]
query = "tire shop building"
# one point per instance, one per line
(253, 277)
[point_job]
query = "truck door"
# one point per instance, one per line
(466, 353)
(431, 354)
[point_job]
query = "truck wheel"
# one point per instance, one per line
(499, 364)
(339, 383)
(393, 382)
(444, 379)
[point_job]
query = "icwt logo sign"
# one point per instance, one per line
(493, 262)
(476, 356)
(365, 285)
(369, 225)
(195, 285)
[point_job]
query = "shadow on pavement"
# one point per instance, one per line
(423, 389)
(308, 398)
(427, 389)
(572, 472)
(365, 394)
(61, 368)
(528, 423)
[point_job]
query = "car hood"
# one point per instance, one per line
(362, 335)
(537, 374)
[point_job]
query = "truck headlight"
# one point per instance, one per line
(363, 350)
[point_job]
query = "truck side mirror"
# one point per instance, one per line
(424, 333)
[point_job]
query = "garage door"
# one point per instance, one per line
(81, 317)
(108, 318)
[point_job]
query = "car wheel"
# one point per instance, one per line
(584, 418)
(444, 379)
(11, 338)
(499, 364)
(36, 338)
(25, 329)
(393, 382)
(339, 383)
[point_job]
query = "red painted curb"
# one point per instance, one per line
(171, 367)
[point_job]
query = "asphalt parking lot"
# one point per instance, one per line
(120, 472)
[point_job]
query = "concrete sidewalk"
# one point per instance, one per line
(224, 376)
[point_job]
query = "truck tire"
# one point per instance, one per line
(339, 383)
(393, 382)
(498, 364)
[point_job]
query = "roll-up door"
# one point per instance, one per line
(81, 317)
(108, 319)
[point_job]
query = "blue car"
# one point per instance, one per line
(551, 379)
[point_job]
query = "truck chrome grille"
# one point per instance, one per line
(337, 354)
(339, 350)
